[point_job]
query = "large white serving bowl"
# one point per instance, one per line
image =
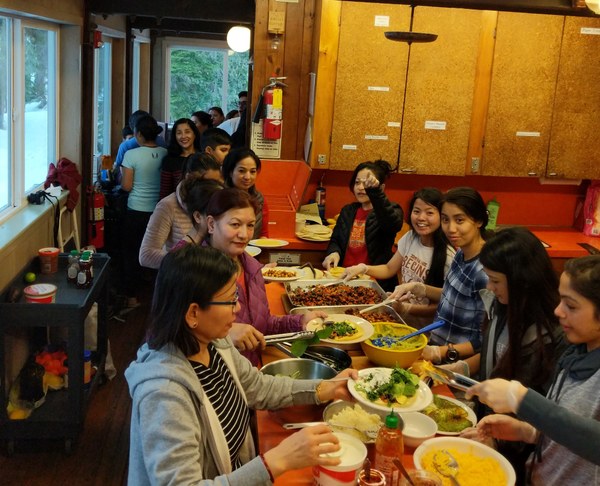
(464, 445)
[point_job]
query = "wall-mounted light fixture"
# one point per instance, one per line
(593, 5)
(238, 38)
(276, 27)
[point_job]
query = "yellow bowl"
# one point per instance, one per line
(392, 357)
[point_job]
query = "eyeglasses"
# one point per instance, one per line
(232, 303)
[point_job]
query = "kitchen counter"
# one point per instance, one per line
(563, 242)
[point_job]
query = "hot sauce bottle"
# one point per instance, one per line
(389, 445)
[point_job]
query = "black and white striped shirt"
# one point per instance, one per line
(224, 396)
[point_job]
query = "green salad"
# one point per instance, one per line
(395, 389)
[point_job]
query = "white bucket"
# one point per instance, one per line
(40, 293)
(352, 454)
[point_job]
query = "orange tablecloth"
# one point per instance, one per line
(269, 423)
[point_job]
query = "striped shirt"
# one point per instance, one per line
(460, 305)
(224, 396)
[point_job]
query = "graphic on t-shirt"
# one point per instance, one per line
(357, 235)
(414, 269)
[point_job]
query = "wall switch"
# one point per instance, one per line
(322, 159)
(474, 164)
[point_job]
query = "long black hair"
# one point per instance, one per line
(433, 197)
(584, 275)
(532, 294)
(174, 148)
(192, 274)
(471, 202)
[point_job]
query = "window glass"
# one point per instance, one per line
(135, 78)
(5, 169)
(40, 104)
(102, 92)
(201, 77)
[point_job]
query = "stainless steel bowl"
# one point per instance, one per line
(302, 369)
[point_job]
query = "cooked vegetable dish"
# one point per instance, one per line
(334, 295)
(449, 416)
(392, 390)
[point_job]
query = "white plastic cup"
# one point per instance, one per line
(352, 454)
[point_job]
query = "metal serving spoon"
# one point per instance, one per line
(446, 467)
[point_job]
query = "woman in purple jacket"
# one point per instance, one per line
(230, 217)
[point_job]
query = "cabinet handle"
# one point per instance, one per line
(532, 174)
(409, 170)
(552, 174)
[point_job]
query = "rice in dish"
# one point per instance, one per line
(358, 418)
(473, 470)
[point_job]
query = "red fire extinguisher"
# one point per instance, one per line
(273, 102)
(95, 234)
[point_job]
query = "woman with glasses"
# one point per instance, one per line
(366, 229)
(192, 391)
(231, 219)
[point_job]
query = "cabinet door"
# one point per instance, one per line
(439, 97)
(523, 82)
(574, 141)
(369, 88)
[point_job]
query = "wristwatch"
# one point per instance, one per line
(452, 355)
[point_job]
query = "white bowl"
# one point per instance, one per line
(417, 428)
(465, 445)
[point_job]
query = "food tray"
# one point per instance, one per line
(341, 309)
(307, 284)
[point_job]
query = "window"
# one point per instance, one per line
(135, 78)
(28, 107)
(102, 95)
(201, 76)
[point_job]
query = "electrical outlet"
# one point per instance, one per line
(322, 159)
(474, 164)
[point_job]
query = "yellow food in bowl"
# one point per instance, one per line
(402, 354)
(337, 272)
(473, 470)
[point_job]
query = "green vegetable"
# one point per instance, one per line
(448, 416)
(299, 346)
(341, 329)
(401, 383)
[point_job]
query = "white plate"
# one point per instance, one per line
(280, 279)
(312, 237)
(422, 399)
(366, 327)
(470, 414)
(316, 229)
(468, 446)
(269, 243)
(253, 250)
(307, 274)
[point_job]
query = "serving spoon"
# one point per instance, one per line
(447, 467)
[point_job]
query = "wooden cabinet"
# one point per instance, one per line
(521, 94)
(369, 90)
(439, 93)
(574, 142)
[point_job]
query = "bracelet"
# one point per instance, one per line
(512, 395)
(318, 400)
(262, 458)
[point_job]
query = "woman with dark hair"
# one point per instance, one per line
(141, 178)
(192, 391)
(564, 426)
(464, 218)
(170, 221)
(365, 229)
(423, 255)
(231, 218)
(240, 169)
(184, 141)
(202, 120)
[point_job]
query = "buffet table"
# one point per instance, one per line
(269, 423)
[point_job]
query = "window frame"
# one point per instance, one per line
(107, 52)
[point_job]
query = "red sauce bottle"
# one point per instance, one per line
(389, 445)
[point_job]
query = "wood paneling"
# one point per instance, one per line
(440, 88)
(522, 94)
(574, 143)
(369, 88)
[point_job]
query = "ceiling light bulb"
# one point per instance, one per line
(238, 38)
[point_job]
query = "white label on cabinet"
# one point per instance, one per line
(590, 31)
(435, 125)
(378, 88)
(394, 124)
(349, 147)
(528, 134)
(285, 258)
(382, 21)
(376, 137)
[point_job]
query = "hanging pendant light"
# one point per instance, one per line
(238, 38)
(410, 36)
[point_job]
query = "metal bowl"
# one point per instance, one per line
(299, 368)
(335, 358)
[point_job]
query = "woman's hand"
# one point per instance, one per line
(501, 395)
(303, 449)
(405, 291)
(351, 272)
(473, 433)
(337, 388)
(432, 353)
(370, 181)
(246, 337)
(505, 427)
(331, 260)
(309, 316)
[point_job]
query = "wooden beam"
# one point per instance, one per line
(233, 11)
(180, 25)
(554, 7)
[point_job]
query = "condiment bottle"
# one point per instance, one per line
(84, 276)
(87, 368)
(389, 445)
(73, 266)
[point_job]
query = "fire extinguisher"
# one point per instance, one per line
(273, 101)
(95, 234)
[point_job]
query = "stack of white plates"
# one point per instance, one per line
(315, 232)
